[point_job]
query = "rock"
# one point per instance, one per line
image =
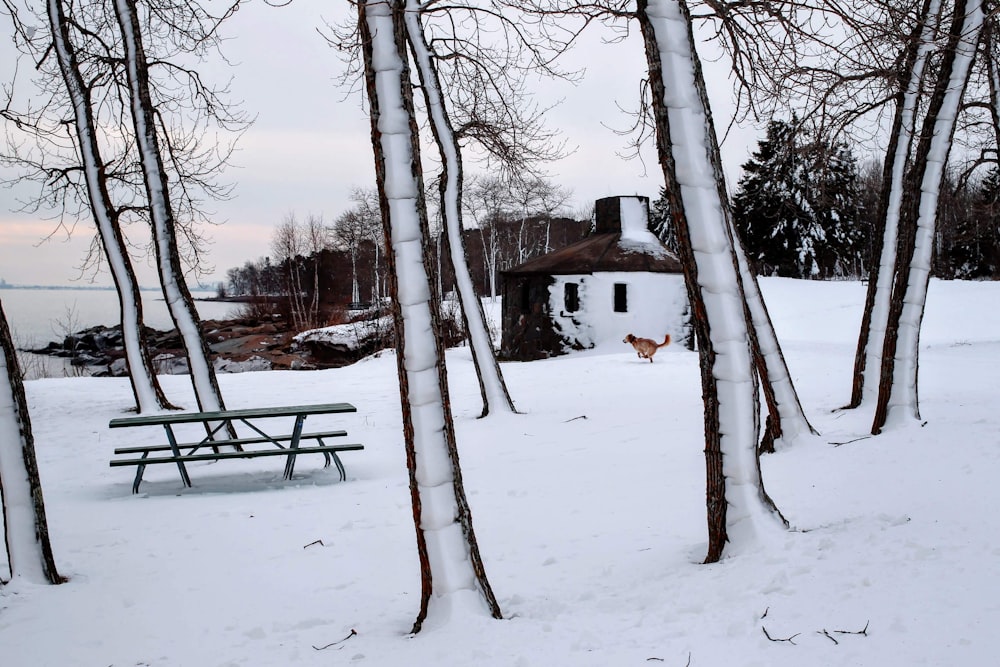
(236, 346)
(252, 364)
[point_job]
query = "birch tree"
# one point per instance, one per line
(492, 386)
(739, 509)
(871, 339)
(26, 531)
(453, 578)
(897, 397)
(146, 388)
(168, 262)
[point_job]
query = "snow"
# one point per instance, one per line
(589, 510)
(635, 236)
(350, 335)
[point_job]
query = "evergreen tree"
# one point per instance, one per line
(972, 250)
(796, 209)
(660, 222)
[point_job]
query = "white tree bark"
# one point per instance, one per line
(453, 577)
(890, 235)
(175, 291)
(902, 401)
(791, 418)
(25, 528)
(148, 394)
(689, 156)
(491, 382)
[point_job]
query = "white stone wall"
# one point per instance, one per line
(656, 305)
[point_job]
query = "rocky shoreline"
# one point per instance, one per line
(236, 346)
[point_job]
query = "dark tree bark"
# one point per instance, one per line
(492, 386)
(145, 385)
(175, 290)
(900, 132)
(900, 358)
(29, 551)
(694, 181)
(450, 563)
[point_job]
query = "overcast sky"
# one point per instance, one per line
(310, 144)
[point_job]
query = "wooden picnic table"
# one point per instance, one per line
(219, 423)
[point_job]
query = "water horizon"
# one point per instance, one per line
(39, 315)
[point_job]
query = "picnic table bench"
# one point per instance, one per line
(219, 424)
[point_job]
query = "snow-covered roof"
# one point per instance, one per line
(621, 242)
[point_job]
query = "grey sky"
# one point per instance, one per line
(311, 145)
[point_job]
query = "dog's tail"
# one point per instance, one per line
(666, 341)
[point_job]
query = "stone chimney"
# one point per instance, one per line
(610, 212)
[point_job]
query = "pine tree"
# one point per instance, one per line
(972, 249)
(660, 222)
(796, 209)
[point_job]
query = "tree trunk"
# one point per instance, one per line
(146, 388)
(453, 578)
(871, 339)
(26, 531)
(491, 382)
(785, 417)
(168, 263)
(898, 379)
(695, 186)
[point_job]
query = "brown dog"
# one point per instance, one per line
(646, 347)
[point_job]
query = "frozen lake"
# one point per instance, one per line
(37, 316)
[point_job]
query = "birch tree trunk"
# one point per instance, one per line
(491, 382)
(871, 339)
(26, 531)
(898, 397)
(453, 577)
(785, 417)
(168, 263)
(739, 509)
(146, 388)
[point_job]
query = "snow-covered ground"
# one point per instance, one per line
(589, 509)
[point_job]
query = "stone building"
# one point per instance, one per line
(619, 280)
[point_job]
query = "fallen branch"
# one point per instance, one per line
(323, 648)
(827, 635)
(574, 419)
(319, 542)
(779, 639)
(862, 631)
(847, 442)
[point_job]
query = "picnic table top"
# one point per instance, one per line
(246, 413)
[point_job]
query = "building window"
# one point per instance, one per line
(571, 297)
(621, 298)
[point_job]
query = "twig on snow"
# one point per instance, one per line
(323, 648)
(828, 636)
(574, 419)
(779, 639)
(319, 542)
(847, 442)
(862, 631)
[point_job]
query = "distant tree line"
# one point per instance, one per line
(804, 209)
(316, 269)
